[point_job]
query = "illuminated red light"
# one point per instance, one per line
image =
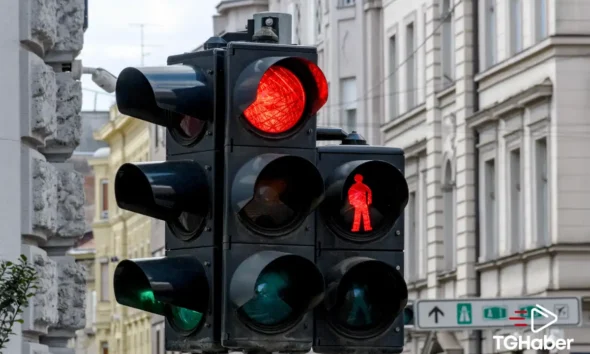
(322, 86)
(360, 197)
(280, 102)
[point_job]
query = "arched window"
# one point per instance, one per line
(448, 188)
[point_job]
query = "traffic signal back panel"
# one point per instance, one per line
(203, 227)
(196, 330)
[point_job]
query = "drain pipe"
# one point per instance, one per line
(475, 4)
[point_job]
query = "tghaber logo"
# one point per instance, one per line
(514, 342)
(537, 311)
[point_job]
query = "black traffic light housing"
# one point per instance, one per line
(272, 186)
(359, 250)
(185, 191)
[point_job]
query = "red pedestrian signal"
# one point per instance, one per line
(360, 197)
(365, 198)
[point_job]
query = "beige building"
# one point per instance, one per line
(488, 99)
(119, 234)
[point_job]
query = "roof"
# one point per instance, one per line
(102, 152)
(91, 121)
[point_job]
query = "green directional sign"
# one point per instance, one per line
(494, 313)
(464, 315)
(529, 311)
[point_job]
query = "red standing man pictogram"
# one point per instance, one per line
(360, 197)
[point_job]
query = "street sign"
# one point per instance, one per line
(497, 313)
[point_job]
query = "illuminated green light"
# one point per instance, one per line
(145, 300)
(185, 319)
(268, 307)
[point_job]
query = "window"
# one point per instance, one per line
(393, 90)
(344, 3)
(515, 198)
(158, 350)
(410, 67)
(318, 17)
(348, 99)
(411, 238)
(104, 348)
(449, 219)
(156, 135)
(489, 199)
(104, 198)
(424, 38)
(515, 26)
(490, 21)
(104, 281)
(423, 226)
(448, 45)
(542, 192)
(542, 19)
(93, 308)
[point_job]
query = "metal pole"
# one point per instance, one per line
(95, 99)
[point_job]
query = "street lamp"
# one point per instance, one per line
(101, 77)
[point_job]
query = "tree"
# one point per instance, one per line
(18, 281)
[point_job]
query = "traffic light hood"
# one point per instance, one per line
(276, 95)
(153, 284)
(270, 181)
(162, 190)
(164, 95)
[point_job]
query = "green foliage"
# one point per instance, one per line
(18, 282)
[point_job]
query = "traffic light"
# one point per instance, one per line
(184, 191)
(272, 187)
(360, 247)
(409, 315)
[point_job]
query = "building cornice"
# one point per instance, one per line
(511, 105)
(552, 47)
(525, 256)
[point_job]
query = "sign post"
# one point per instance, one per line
(453, 314)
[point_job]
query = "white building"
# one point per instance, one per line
(348, 36)
(490, 109)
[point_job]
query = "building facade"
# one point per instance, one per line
(341, 29)
(42, 213)
(487, 100)
(119, 234)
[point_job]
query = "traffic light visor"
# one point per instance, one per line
(173, 191)
(272, 194)
(272, 290)
(178, 97)
(276, 95)
(365, 297)
(365, 199)
(175, 287)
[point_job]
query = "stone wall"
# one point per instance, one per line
(52, 193)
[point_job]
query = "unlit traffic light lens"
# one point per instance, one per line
(269, 307)
(285, 191)
(280, 102)
(286, 287)
(368, 299)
